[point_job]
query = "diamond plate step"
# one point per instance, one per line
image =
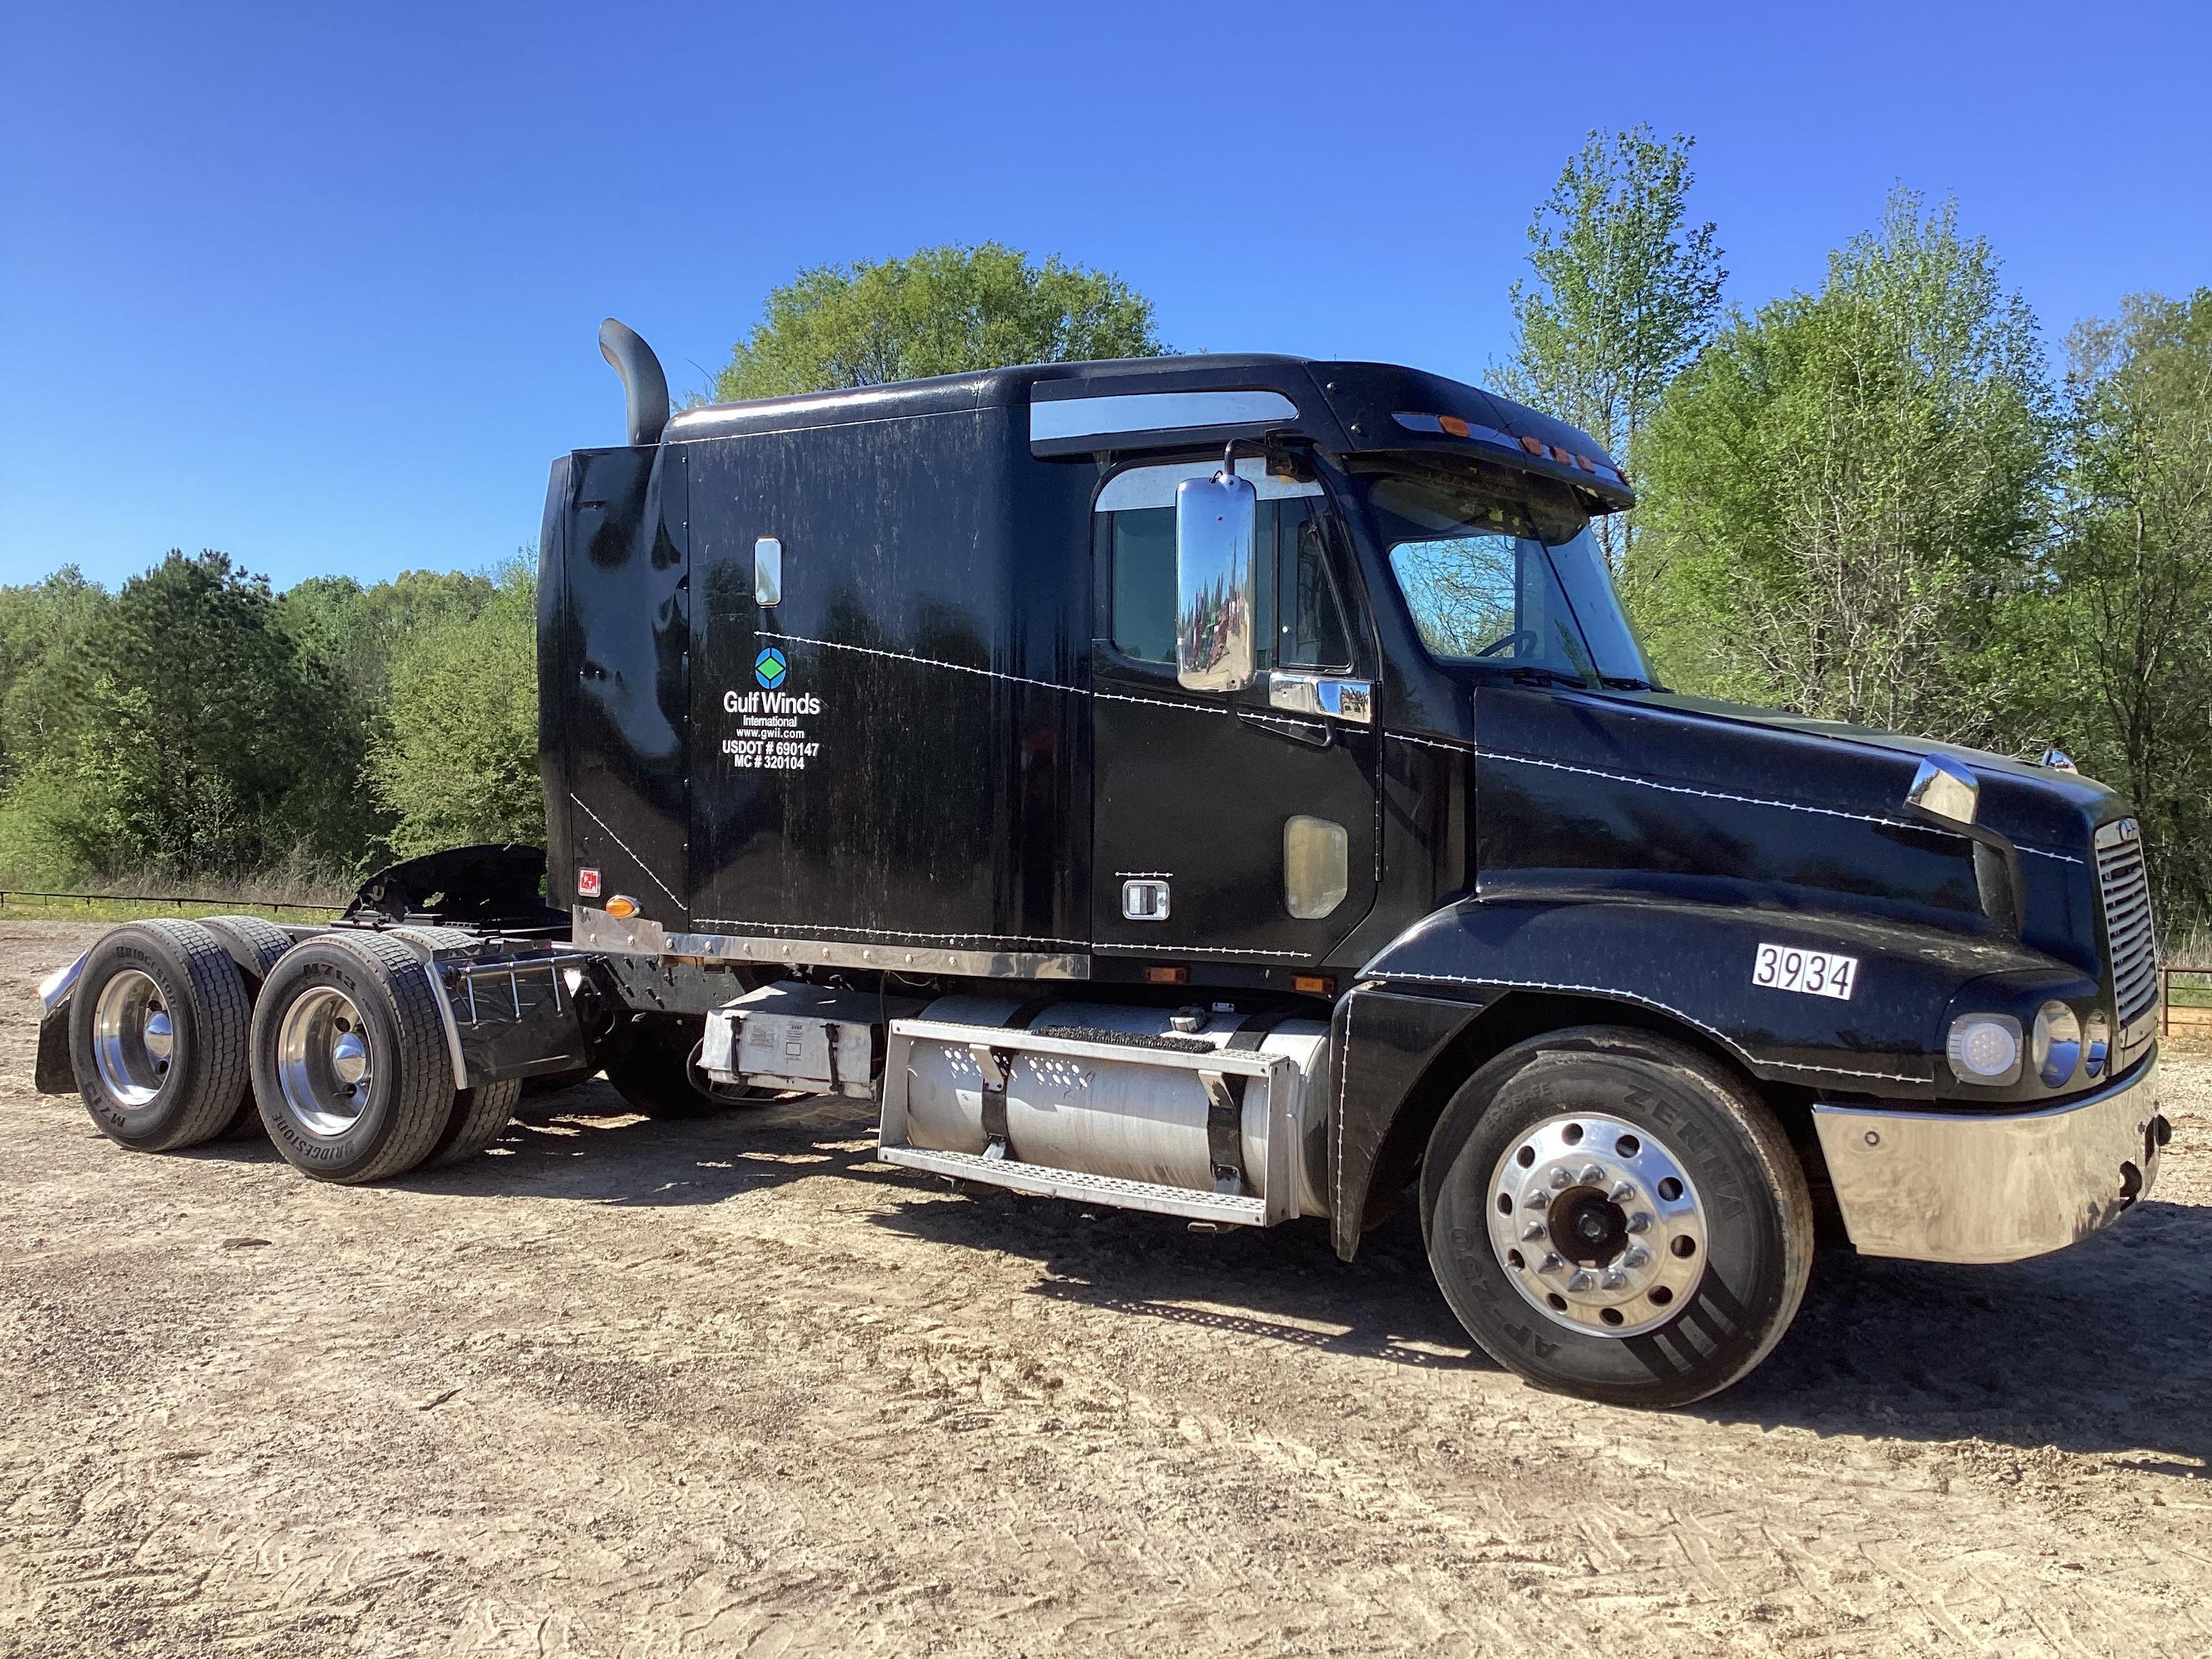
(1071, 1183)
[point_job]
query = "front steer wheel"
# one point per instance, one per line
(1614, 1215)
(350, 1065)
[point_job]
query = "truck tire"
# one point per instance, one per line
(1614, 1215)
(479, 1116)
(158, 1036)
(350, 1065)
(254, 944)
(655, 1071)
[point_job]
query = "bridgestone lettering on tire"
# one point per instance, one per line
(255, 944)
(362, 985)
(158, 1036)
(1737, 1216)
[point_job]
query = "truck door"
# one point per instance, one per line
(1239, 827)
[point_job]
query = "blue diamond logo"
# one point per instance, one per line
(769, 667)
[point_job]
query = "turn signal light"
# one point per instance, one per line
(1167, 975)
(620, 907)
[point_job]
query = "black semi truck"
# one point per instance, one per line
(1225, 787)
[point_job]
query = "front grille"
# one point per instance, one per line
(2125, 885)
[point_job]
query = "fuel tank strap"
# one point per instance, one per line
(996, 1068)
(1224, 1101)
(1224, 1131)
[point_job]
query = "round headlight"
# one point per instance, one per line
(2057, 1047)
(1984, 1047)
(2096, 1042)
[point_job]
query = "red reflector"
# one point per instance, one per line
(1167, 975)
(1453, 424)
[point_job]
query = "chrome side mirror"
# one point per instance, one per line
(1946, 787)
(1217, 520)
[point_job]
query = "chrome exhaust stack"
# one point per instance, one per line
(645, 388)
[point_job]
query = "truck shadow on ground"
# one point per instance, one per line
(2096, 1350)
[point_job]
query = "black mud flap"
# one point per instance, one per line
(57, 1072)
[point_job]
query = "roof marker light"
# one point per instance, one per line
(1453, 424)
(1533, 446)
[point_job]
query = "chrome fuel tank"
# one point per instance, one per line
(1133, 1120)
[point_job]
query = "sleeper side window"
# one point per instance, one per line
(1144, 583)
(1296, 598)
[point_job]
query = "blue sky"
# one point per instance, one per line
(320, 288)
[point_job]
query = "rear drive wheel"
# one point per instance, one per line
(479, 1116)
(255, 944)
(658, 1072)
(350, 1065)
(1614, 1215)
(158, 1028)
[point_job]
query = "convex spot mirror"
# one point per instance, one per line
(1217, 519)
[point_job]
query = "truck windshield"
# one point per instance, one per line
(1495, 575)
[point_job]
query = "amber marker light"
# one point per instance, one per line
(1167, 975)
(620, 908)
(1318, 985)
(1453, 424)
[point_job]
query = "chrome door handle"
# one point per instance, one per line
(1322, 694)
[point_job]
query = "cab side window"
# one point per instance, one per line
(1302, 617)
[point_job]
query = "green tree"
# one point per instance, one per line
(1626, 292)
(359, 632)
(43, 628)
(939, 311)
(189, 735)
(2132, 622)
(458, 762)
(1845, 496)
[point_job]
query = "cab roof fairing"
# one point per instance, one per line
(1341, 407)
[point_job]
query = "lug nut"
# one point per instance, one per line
(1621, 1192)
(1580, 1281)
(1638, 1256)
(1639, 1221)
(1592, 1175)
(1552, 1263)
(1615, 1280)
(1561, 1180)
(1532, 1232)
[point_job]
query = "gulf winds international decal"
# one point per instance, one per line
(770, 736)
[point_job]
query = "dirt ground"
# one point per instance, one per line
(635, 1387)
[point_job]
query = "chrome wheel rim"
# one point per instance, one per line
(1598, 1225)
(133, 1041)
(323, 1062)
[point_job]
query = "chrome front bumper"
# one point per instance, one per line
(1976, 1187)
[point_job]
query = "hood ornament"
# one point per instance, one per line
(2057, 760)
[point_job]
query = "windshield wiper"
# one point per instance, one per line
(1612, 683)
(1530, 674)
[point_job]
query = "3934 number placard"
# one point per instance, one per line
(1810, 973)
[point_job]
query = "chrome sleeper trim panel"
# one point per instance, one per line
(1154, 411)
(1992, 1187)
(595, 930)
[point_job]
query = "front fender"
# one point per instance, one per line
(1688, 963)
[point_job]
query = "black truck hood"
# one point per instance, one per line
(2028, 803)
